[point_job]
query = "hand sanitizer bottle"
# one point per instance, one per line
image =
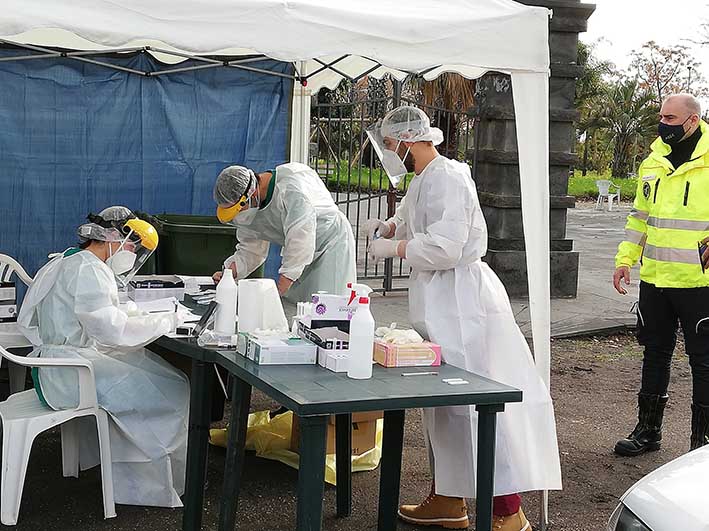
(225, 319)
(361, 342)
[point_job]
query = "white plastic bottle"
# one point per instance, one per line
(225, 319)
(361, 342)
(356, 291)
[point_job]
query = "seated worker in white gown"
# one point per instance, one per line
(72, 311)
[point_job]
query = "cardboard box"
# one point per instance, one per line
(330, 311)
(424, 354)
(327, 306)
(364, 436)
(362, 416)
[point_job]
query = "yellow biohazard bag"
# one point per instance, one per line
(270, 438)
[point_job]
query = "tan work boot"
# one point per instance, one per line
(514, 522)
(442, 511)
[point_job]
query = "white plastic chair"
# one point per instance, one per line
(24, 417)
(604, 191)
(8, 266)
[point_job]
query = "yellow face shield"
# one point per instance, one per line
(141, 240)
(226, 214)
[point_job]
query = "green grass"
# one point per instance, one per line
(341, 178)
(585, 187)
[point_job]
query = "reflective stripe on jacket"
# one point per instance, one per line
(670, 215)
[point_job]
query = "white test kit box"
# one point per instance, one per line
(277, 351)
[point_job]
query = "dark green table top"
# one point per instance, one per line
(313, 390)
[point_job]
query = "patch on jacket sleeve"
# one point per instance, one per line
(646, 190)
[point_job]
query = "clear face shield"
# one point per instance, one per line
(386, 150)
(134, 250)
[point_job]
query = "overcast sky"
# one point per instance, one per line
(624, 25)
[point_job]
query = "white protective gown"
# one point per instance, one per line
(457, 301)
(71, 311)
(318, 247)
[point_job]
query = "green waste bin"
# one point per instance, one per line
(194, 245)
(150, 266)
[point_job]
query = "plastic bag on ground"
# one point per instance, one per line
(270, 439)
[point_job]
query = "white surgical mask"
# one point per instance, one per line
(121, 262)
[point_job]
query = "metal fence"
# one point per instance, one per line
(341, 154)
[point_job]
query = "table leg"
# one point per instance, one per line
(343, 461)
(389, 480)
(487, 423)
(197, 444)
(311, 472)
(234, 465)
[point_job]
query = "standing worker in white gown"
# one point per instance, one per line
(71, 311)
(457, 301)
(291, 207)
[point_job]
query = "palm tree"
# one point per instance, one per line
(446, 99)
(589, 88)
(630, 116)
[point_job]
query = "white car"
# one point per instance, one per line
(675, 497)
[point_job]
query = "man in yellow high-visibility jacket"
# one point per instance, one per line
(665, 230)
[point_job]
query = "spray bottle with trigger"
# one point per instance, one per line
(357, 291)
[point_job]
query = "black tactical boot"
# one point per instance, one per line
(700, 426)
(647, 434)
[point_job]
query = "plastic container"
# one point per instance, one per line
(361, 342)
(194, 245)
(225, 319)
(356, 292)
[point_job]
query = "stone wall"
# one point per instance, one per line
(496, 163)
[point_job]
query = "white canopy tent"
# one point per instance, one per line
(331, 40)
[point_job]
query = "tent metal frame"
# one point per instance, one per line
(209, 62)
(238, 62)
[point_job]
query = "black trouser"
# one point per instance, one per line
(659, 310)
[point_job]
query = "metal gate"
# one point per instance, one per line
(341, 154)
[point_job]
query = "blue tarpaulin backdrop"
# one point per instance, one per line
(78, 137)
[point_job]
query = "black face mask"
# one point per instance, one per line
(672, 134)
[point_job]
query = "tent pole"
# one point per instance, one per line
(300, 116)
(543, 510)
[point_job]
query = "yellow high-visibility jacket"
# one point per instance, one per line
(670, 215)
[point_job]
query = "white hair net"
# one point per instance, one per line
(116, 213)
(93, 231)
(232, 184)
(410, 124)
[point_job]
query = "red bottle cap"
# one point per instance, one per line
(364, 300)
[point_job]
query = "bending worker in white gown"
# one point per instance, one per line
(291, 207)
(71, 311)
(457, 301)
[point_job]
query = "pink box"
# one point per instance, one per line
(424, 354)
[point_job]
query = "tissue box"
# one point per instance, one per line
(278, 351)
(424, 354)
(152, 287)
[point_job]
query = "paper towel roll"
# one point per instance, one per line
(259, 306)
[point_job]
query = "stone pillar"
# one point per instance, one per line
(496, 166)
